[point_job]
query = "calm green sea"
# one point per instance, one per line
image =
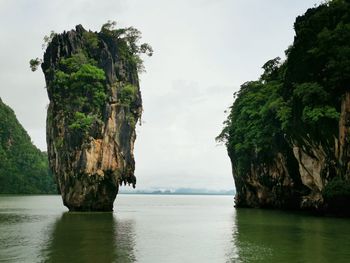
(150, 228)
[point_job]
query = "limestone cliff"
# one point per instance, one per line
(297, 178)
(288, 133)
(95, 103)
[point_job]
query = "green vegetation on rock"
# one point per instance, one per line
(91, 39)
(127, 94)
(23, 168)
(296, 100)
(253, 127)
(79, 90)
(127, 39)
(81, 121)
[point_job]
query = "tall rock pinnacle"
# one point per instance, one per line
(95, 103)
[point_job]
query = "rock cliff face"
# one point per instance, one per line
(268, 185)
(272, 185)
(95, 102)
(288, 133)
(344, 136)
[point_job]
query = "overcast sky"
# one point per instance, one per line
(203, 51)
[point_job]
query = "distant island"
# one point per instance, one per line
(178, 191)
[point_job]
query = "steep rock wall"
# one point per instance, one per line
(299, 109)
(91, 163)
(269, 185)
(279, 184)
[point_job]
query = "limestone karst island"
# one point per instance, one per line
(95, 102)
(288, 133)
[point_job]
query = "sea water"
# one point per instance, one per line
(166, 228)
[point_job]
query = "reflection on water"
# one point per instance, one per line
(90, 237)
(274, 236)
(171, 229)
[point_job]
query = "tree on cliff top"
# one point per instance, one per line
(128, 37)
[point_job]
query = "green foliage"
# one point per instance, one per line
(82, 122)
(284, 115)
(91, 39)
(254, 125)
(310, 93)
(321, 51)
(23, 168)
(109, 26)
(271, 68)
(128, 43)
(48, 39)
(294, 98)
(79, 86)
(72, 64)
(131, 119)
(312, 116)
(34, 63)
(127, 94)
(59, 142)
